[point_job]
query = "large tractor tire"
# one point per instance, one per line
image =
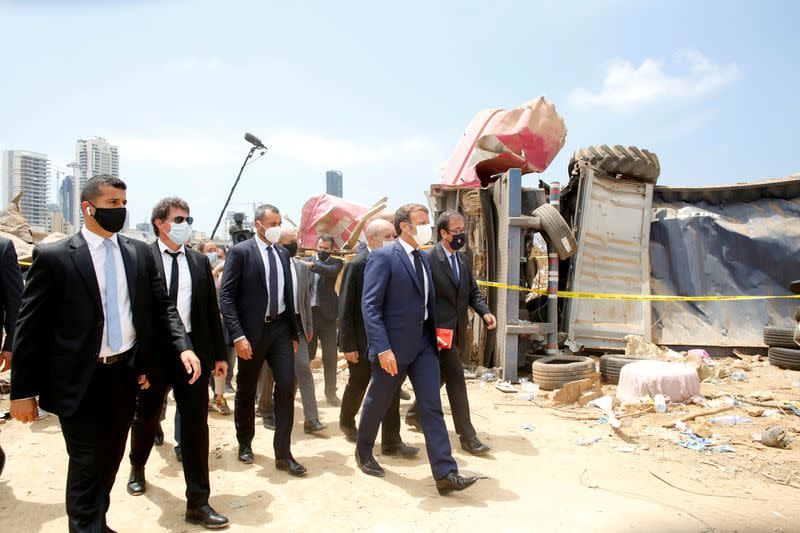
(634, 163)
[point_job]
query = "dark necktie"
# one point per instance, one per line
(420, 271)
(455, 267)
(173, 277)
(273, 283)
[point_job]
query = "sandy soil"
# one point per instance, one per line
(537, 480)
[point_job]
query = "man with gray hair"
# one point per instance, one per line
(257, 302)
(353, 342)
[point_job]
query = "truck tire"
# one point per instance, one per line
(557, 230)
(779, 337)
(784, 358)
(611, 365)
(554, 372)
(634, 163)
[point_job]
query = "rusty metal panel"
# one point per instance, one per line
(613, 223)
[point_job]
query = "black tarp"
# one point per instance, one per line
(732, 240)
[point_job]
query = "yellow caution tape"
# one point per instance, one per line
(637, 297)
(24, 263)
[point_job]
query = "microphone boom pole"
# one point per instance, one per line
(235, 183)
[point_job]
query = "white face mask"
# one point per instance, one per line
(180, 233)
(272, 234)
(424, 234)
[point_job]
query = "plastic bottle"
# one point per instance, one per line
(730, 420)
(739, 375)
(661, 403)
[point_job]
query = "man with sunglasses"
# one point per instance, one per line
(187, 277)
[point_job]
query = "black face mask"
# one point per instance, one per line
(291, 248)
(459, 240)
(110, 219)
(323, 256)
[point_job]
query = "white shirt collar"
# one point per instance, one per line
(446, 251)
(262, 245)
(164, 248)
(407, 247)
(96, 241)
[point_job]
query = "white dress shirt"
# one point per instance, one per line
(184, 304)
(98, 251)
(294, 268)
(409, 251)
(262, 246)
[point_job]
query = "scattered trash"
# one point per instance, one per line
(625, 449)
(755, 412)
(528, 427)
(504, 386)
(661, 403)
(739, 375)
(489, 376)
(700, 444)
(605, 403)
(761, 395)
(700, 356)
(587, 442)
(731, 420)
(680, 426)
(527, 386)
(770, 412)
(775, 437)
(469, 375)
(793, 408)
(701, 429)
(742, 365)
(526, 396)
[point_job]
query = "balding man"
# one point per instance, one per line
(353, 342)
(301, 282)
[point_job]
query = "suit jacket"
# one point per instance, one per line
(326, 286)
(452, 298)
(60, 324)
(352, 335)
(10, 292)
(243, 296)
(393, 304)
(207, 336)
(304, 296)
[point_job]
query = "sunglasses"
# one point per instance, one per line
(181, 219)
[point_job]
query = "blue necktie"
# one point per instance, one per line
(454, 264)
(273, 284)
(113, 327)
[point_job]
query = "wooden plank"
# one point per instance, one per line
(571, 392)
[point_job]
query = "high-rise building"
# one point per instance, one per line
(66, 198)
(333, 183)
(29, 173)
(94, 157)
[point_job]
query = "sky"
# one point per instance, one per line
(383, 91)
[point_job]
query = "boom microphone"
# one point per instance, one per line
(255, 141)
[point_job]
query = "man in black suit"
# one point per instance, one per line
(93, 309)
(187, 278)
(456, 290)
(353, 342)
(325, 307)
(257, 301)
(10, 298)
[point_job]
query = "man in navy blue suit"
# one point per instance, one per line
(400, 321)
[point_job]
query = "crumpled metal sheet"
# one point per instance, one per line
(329, 214)
(735, 240)
(527, 137)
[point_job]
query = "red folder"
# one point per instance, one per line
(445, 338)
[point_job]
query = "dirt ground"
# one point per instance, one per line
(537, 479)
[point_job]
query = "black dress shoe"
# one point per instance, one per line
(159, 438)
(313, 426)
(413, 421)
(136, 482)
(207, 517)
(269, 422)
(2, 460)
(474, 446)
(246, 454)
(291, 466)
(350, 431)
(399, 449)
(454, 481)
(178, 454)
(333, 400)
(404, 395)
(369, 465)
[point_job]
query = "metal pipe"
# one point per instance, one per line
(552, 279)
